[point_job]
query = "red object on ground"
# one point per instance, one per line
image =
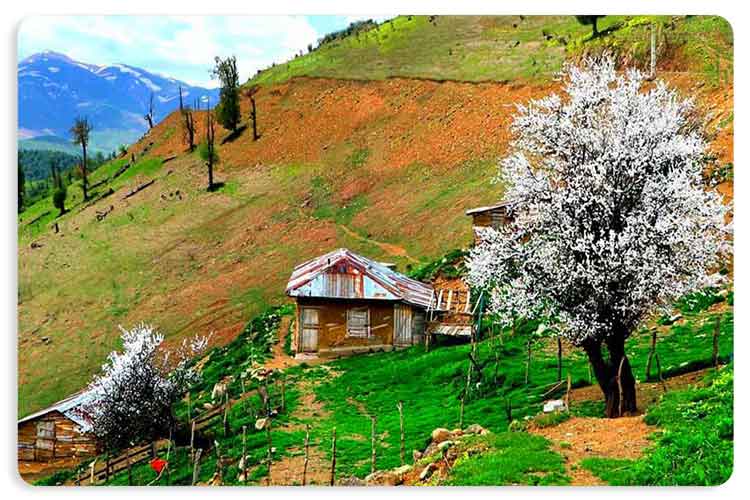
(158, 464)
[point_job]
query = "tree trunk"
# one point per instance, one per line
(85, 177)
(606, 373)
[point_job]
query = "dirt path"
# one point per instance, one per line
(584, 437)
(288, 470)
(626, 437)
(281, 359)
(390, 249)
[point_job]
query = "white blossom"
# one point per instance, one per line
(132, 397)
(611, 220)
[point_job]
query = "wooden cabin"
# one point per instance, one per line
(494, 216)
(62, 430)
(347, 303)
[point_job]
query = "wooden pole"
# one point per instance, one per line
(244, 454)
(651, 354)
(192, 441)
(93, 465)
(270, 445)
(400, 407)
(373, 453)
(190, 409)
(219, 472)
(717, 330)
(559, 359)
(567, 393)
(461, 412)
(333, 456)
(528, 362)
(226, 413)
(197, 465)
(652, 72)
(307, 454)
(130, 470)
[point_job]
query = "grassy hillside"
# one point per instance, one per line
(529, 48)
(386, 168)
(344, 393)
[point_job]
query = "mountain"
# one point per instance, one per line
(53, 89)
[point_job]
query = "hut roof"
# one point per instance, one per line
(71, 407)
(374, 280)
(489, 208)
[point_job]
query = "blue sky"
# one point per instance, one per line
(182, 47)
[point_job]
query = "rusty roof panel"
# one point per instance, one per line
(345, 274)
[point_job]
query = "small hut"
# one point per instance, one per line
(62, 430)
(347, 303)
(494, 216)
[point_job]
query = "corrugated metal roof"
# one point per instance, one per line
(488, 208)
(71, 407)
(358, 278)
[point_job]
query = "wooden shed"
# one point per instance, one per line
(62, 430)
(347, 303)
(494, 216)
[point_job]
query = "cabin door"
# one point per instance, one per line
(309, 320)
(402, 324)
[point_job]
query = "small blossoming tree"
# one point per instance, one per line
(610, 219)
(132, 398)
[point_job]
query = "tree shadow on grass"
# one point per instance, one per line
(234, 135)
(217, 186)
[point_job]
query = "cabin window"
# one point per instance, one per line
(358, 322)
(45, 429)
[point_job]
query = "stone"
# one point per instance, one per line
(416, 455)
(554, 405)
(440, 434)
(383, 478)
(351, 481)
(427, 472)
(445, 445)
(476, 429)
(403, 470)
(260, 424)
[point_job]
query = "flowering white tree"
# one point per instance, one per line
(132, 398)
(610, 219)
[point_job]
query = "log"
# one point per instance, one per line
(138, 189)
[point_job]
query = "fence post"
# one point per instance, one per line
(400, 407)
(651, 354)
(567, 394)
(192, 441)
(190, 409)
(528, 362)
(333, 456)
(130, 470)
(197, 465)
(244, 454)
(219, 472)
(93, 466)
(652, 72)
(559, 359)
(461, 411)
(717, 329)
(270, 451)
(307, 454)
(373, 453)
(226, 413)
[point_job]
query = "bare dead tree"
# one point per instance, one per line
(149, 116)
